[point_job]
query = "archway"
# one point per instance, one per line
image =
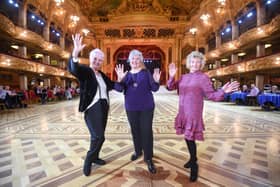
(154, 57)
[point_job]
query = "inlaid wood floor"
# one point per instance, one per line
(44, 145)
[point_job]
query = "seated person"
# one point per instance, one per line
(254, 90)
(274, 89)
(245, 89)
(252, 96)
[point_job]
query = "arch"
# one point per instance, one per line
(154, 57)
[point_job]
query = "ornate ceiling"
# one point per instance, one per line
(93, 8)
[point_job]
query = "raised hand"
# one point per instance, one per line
(231, 87)
(119, 69)
(78, 46)
(156, 74)
(172, 70)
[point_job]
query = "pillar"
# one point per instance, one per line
(260, 81)
(23, 83)
(218, 40)
(234, 58)
(217, 64)
(234, 30)
(46, 31)
(46, 59)
(62, 41)
(22, 18)
(22, 51)
(260, 13)
(47, 82)
(260, 50)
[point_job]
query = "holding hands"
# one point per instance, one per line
(172, 70)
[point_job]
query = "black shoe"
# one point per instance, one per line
(135, 156)
(87, 167)
(189, 163)
(99, 161)
(194, 172)
(151, 166)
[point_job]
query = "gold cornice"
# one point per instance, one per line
(264, 63)
(28, 36)
(252, 35)
(10, 62)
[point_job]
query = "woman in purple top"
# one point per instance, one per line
(138, 85)
(193, 87)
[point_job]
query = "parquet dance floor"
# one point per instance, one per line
(44, 145)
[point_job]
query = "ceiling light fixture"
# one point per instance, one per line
(205, 17)
(193, 30)
(85, 31)
(241, 54)
(267, 45)
(59, 2)
(222, 2)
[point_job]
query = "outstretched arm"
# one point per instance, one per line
(78, 45)
(73, 65)
(231, 87)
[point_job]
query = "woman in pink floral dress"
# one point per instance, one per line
(193, 87)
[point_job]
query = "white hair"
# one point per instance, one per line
(93, 53)
(135, 52)
(195, 54)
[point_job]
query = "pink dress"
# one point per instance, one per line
(193, 87)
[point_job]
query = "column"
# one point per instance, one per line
(46, 59)
(22, 51)
(206, 47)
(217, 64)
(63, 83)
(260, 13)
(62, 41)
(260, 50)
(23, 83)
(46, 32)
(47, 82)
(234, 30)
(178, 54)
(260, 81)
(218, 40)
(22, 18)
(234, 58)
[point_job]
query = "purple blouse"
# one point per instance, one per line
(138, 89)
(193, 87)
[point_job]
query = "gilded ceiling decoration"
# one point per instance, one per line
(93, 8)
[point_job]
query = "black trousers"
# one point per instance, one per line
(96, 120)
(142, 132)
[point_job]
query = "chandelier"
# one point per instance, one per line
(59, 2)
(222, 2)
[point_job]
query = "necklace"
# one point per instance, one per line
(134, 79)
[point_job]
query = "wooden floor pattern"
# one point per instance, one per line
(45, 145)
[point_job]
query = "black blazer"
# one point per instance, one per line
(88, 83)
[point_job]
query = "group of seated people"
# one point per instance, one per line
(254, 96)
(38, 94)
(254, 91)
(11, 98)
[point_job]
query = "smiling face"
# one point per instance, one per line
(96, 59)
(195, 64)
(195, 61)
(135, 62)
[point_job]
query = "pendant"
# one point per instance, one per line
(135, 84)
